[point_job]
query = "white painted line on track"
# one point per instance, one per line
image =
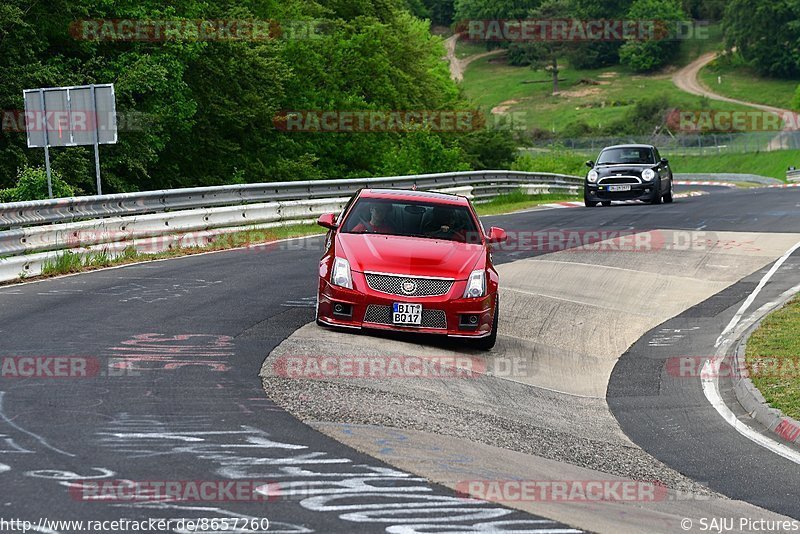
(710, 372)
(746, 304)
(704, 182)
(711, 390)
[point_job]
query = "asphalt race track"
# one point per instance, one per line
(175, 349)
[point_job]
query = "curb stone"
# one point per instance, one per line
(751, 399)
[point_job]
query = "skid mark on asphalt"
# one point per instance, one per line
(155, 290)
(148, 352)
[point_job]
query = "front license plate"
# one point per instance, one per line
(619, 188)
(404, 313)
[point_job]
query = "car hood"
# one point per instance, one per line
(409, 255)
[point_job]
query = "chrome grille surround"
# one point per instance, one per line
(620, 180)
(393, 284)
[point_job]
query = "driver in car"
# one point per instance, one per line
(378, 221)
(444, 224)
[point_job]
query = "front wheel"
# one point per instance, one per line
(486, 343)
(668, 197)
(656, 194)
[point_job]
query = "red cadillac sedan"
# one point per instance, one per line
(412, 261)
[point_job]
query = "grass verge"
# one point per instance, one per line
(70, 262)
(775, 348)
(518, 200)
(743, 83)
(772, 164)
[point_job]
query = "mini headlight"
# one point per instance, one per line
(340, 276)
(476, 285)
(592, 176)
(648, 174)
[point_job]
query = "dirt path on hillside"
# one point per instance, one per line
(686, 79)
(458, 66)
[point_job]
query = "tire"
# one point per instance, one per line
(668, 197)
(606, 203)
(586, 202)
(656, 195)
(486, 343)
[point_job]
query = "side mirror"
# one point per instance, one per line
(497, 235)
(328, 221)
(590, 164)
(664, 161)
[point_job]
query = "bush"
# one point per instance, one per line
(489, 148)
(647, 113)
(421, 152)
(575, 129)
(7, 195)
(32, 185)
(594, 55)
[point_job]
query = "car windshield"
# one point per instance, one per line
(630, 155)
(411, 218)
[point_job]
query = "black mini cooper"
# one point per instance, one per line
(628, 172)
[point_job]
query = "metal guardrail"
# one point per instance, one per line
(158, 220)
(793, 175)
(17, 214)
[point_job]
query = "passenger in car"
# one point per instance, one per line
(378, 222)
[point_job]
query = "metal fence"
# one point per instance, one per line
(684, 145)
(35, 233)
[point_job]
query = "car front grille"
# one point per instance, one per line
(422, 287)
(619, 180)
(380, 314)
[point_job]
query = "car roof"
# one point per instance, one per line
(412, 195)
(632, 145)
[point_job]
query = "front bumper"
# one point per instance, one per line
(599, 193)
(364, 307)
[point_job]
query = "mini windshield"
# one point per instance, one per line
(622, 156)
(411, 218)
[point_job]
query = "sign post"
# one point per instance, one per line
(71, 116)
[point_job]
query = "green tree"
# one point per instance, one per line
(766, 33)
(545, 54)
(648, 54)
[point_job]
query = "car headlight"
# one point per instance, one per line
(476, 285)
(340, 276)
(648, 174)
(592, 176)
